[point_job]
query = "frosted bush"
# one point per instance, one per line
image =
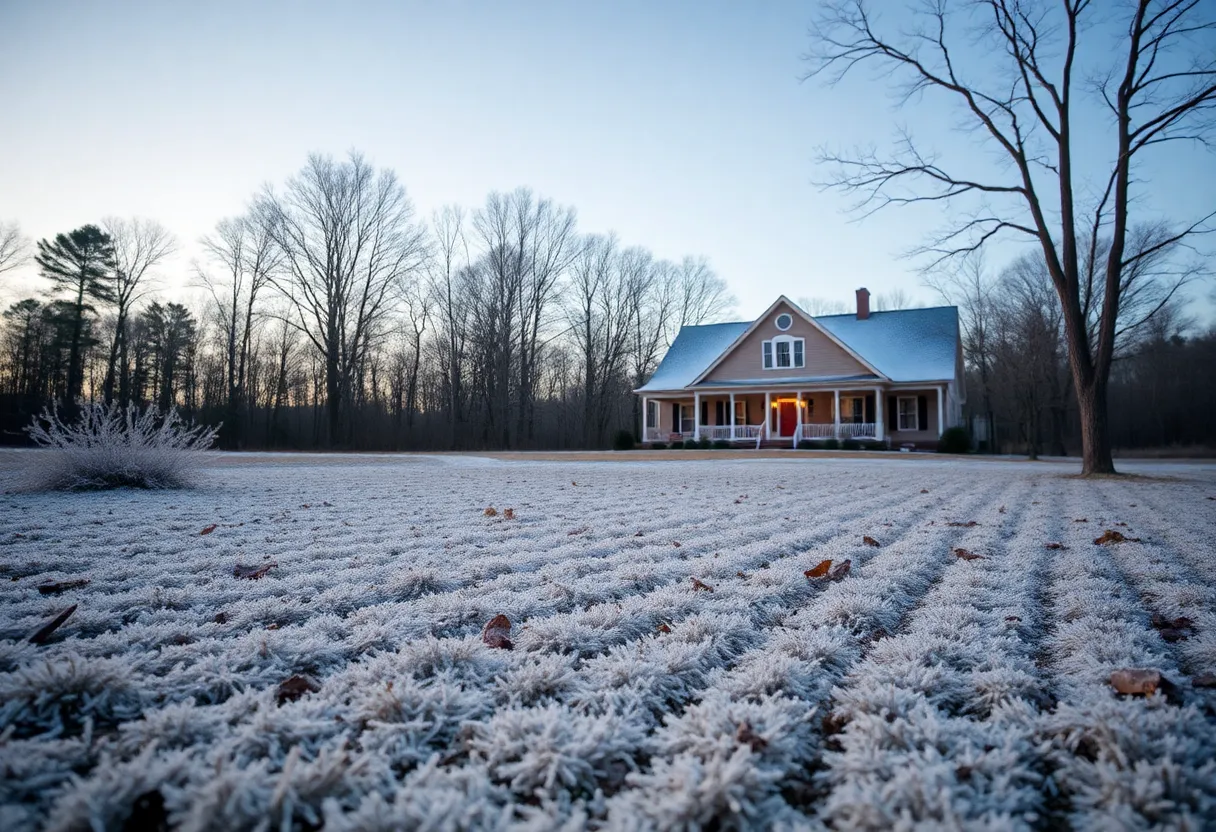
(110, 446)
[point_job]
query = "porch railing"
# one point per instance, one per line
(739, 433)
(846, 430)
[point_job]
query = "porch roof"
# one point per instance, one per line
(775, 383)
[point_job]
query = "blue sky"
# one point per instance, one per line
(682, 126)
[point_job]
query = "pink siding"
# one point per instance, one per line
(823, 356)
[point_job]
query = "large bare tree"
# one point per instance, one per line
(140, 245)
(14, 248)
(349, 245)
(1150, 65)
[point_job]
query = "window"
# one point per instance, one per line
(784, 321)
(784, 352)
(908, 417)
(852, 410)
(652, 414)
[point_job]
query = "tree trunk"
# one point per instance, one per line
(1095, 433)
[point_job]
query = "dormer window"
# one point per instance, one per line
(783, 352)
(784, 321)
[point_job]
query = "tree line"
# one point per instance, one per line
(334, 317)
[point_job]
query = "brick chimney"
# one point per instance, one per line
(863, 303)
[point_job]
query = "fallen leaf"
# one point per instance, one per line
(1112, 536)
(1012, 618)
(208, 529)
(741, 575)
(490, 512)
(746, 736)
(508, 514)
(295, 688)
(1173, 636)
(221, 618)
(965, 555)
(819, 570)
(663, 628)
(701, 585)
(61, 586)
(675, 543)
(1081, 520)
(1136, 682)
(869, 541)
(1204, 680)
(1179, 623)
(966, 525)
(252, 573)
(497, 633)
(1056, 546)
(638, 533)
(840, 570)
(1000, 510)
(44, 632)
(924, 491)
(579, 530)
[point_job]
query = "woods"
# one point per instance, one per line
(329, 315)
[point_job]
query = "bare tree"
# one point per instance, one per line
(448, 268)
(703, 296)
(244, 249)
(816, 307)
(140, 245)
(1156, 80)
(14, 248)
(896, 298)
(349, 246)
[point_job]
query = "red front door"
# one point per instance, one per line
(789, 417)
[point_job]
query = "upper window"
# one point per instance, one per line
(909, 415)
(783, 352)
(784, 321)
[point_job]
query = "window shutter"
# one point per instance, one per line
(704, 413)
(675, 417)
(922, 412)
(892, 413)
(870, 409)
(719, 411)
(746, 420)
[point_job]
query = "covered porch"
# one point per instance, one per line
(753, 417)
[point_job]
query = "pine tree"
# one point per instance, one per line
(81, 264)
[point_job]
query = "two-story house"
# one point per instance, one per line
(889, 377)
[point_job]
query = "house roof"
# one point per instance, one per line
(904, 345)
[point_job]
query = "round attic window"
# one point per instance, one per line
(784, 321)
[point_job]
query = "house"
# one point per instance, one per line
(888, 377)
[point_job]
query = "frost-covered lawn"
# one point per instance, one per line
(922, 689)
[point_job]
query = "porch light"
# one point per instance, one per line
(774, 405)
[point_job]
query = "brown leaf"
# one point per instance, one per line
(497, 633)
(221, 618)
(208, 529)
(1012, 618)
(508, 514)
(579, 530)
(741, 575)
(675, 543)
(869, 541)
(1179, 623)
(1081, 520)
(924, 491)
(1136, 682)
(664, 627)
(1055, 546)
(252, 573)
(44, 632)
(61, 586)
(295, 688)
(746, 736)
(966, 525)
(638, 533)
(819, 570)
(491, 512)
(1001, 510)
(1172, 636)
(965, 555)
(1112, 536)
(701, 585)
(1204, 680)
(840, 570)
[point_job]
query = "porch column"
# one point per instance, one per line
(879, 421)
(696, 417)
(799, 406)
(645, 410)
(768, 412)
(941, 415)
(732, 415)
(836, 413)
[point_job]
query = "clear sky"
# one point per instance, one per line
(683, 126)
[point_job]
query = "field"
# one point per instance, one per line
(350, 686)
